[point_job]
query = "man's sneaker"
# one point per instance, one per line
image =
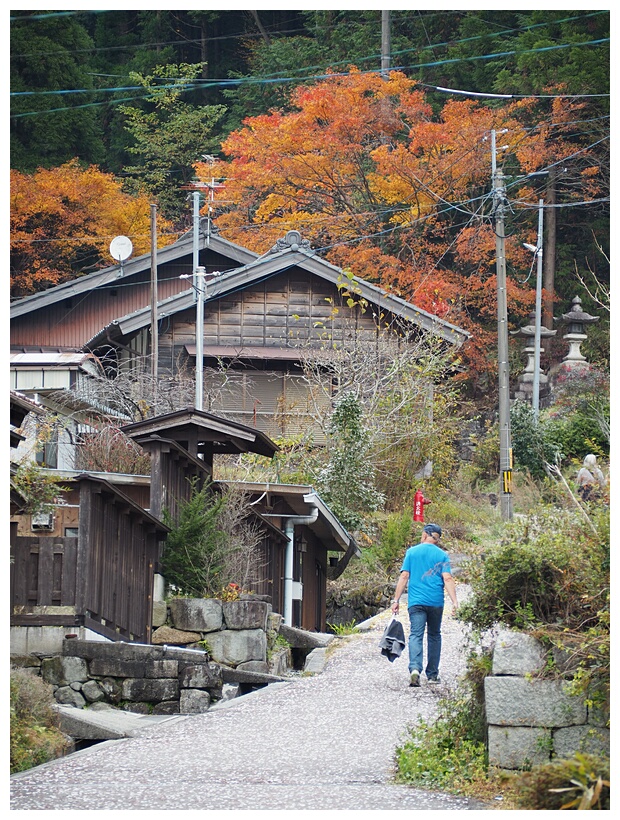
(434, 680)
(415, 678)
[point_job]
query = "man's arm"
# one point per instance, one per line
(400, 588)
(450, 586)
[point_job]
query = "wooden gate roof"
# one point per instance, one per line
(212, 433)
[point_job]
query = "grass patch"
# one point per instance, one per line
(35, 736)
(450, 753)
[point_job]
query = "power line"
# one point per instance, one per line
(197, 85)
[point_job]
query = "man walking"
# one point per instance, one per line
(426, 569)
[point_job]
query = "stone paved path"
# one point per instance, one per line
(316, 743)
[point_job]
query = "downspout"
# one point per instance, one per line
(289, 532)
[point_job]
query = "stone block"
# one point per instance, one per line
(166, 707)
(598, 715)
(69, 697)
(112, 689)
(25, 661)
(274, 622)
(137, 708)
(194, 701)
(516, 653)
(184, 654)
(255, 666)
(201, 676)
(230, 675)
(246, 614)
(86, 724)
(169, 635)
(518, 747)
(593, 740)
(315, 661)
(160, 613)
(92, 691)
(301, 639)
(104, 668)
(62, 671)
(512, 701)
(161, 669)
(280, 662)
(196, 614)
(149, 690)
(110, 650)
(233, 647)
(230, 691)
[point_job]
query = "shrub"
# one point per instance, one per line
(395, 537)
(549, 569)
(35, 736)
(580, 782)
(532, 441)
(347, 482)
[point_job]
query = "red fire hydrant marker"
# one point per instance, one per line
(419, 502)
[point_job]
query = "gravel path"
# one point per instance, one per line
(315, 743)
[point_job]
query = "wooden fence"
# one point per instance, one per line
(103, 579)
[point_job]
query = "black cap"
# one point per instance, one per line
(433, 529)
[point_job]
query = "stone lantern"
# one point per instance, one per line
(576, 320)
(525, 387)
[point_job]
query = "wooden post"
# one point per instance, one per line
(154, 332)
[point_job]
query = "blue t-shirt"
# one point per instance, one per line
(425, 564)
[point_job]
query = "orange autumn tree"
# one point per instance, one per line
(385, 189)
(63, 220)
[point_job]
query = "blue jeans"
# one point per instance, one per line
(421, 618)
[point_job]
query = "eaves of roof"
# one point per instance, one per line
(302, 498)
(274, 263)
(91, 281)
(217, 427)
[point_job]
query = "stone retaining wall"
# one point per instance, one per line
(532, 719)
(207, 650)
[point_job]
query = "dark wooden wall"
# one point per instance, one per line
(105, 574)
(69, 323)
(287, 310)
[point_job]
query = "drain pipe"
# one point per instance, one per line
(289, 532)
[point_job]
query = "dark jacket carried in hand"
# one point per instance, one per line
(393, 641)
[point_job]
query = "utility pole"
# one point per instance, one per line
(154, 330)
(385, 44)
(196, 240)
(200, 327)
(505, 446)
(537, 323)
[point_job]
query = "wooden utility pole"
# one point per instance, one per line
(154, 330)
(538, 309)
(549, 274)
(505, 446)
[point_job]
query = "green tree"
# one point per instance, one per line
(193, 555)
(171, 136)
(52, 54)
(347, 482)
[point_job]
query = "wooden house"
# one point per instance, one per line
(262, 317)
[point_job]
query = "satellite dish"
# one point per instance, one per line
(121, 248)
